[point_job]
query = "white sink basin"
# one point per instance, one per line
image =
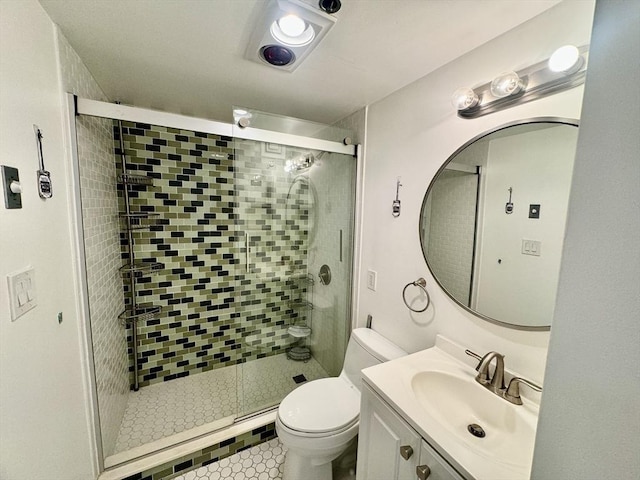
(436, 393)
(456, 402)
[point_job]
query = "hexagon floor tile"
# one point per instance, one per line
(261, 462)
(164, 409)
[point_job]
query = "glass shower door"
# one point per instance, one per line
(295, 211)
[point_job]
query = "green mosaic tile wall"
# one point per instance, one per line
(213, 196)
(208, 455)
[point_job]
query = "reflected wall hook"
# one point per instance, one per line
(508, 208)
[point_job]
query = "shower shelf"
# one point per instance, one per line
(140, 268)
(140, 220)
(299, 303)
(140, 313)
(134, 179)
(303, 279)
(299, 331)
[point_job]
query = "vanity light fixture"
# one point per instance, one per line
(566, 60)
(565, 69)
(287, 33)
(506, 84)
(464, 98)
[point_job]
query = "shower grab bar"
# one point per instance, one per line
(340, 245)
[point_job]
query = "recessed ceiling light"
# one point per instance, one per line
(292, 25)
(292, 31)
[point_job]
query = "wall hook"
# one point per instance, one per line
(396, 203)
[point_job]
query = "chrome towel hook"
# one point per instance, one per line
(422, 284)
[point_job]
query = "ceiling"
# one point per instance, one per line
(187, 56)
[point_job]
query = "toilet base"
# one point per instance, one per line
(296, 465)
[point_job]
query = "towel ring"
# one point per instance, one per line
(422, 284)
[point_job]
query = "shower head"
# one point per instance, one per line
(300, 164)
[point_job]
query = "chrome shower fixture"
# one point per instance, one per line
(299, 164)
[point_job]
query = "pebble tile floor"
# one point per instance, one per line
(164, 409)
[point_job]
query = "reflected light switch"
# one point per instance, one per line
(531, 247)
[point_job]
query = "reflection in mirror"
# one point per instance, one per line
(493, 220)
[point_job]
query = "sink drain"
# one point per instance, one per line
(476, 430)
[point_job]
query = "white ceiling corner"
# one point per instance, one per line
(187, 56)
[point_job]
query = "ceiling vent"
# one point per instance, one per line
(286, 34)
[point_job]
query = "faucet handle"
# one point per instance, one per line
(512, 394)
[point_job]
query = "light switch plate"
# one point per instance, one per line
(372, 280)
(531, 247)
(22, 292)
(11, 200)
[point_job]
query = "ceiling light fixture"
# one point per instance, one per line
(292, 31)
(565, 69)
(287, 32)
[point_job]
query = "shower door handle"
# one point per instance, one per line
(246, 250)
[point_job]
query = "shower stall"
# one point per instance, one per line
(204, 245)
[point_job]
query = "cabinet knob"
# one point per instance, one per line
(423, 472)
(406, 451)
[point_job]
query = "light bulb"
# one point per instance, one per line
(464, 98)
(291, 25)
(506, 84)
(292, 31)
(566, 60)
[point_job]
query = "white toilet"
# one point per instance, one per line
(318, 421)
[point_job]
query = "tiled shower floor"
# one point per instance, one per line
(164, 409)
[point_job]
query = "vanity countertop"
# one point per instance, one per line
(500, 455)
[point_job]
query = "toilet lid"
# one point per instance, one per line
(323, 405)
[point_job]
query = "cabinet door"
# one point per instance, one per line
(433, 466)
(384, 438)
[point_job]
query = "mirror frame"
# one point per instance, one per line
(558, 120)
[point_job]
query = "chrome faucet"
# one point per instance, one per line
(496, 383)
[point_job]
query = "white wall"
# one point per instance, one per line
(44, 414)
(410, 134)
(537, 165)
(589, 423)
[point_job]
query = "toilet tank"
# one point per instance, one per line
(365, 349)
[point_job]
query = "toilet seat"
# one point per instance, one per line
(325, 406)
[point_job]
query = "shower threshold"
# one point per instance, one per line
(162, 415)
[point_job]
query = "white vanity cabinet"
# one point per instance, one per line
(390, 449)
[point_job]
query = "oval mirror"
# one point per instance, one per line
(493, 220)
